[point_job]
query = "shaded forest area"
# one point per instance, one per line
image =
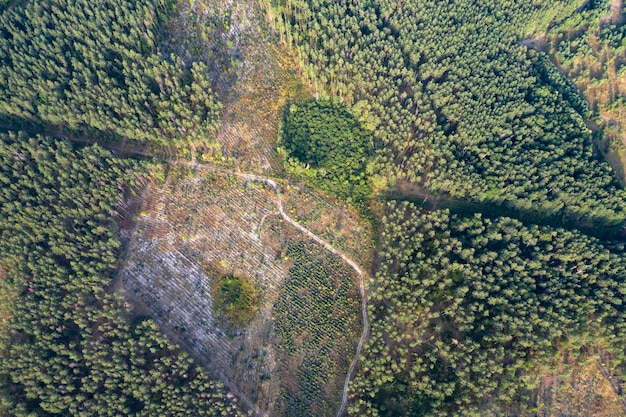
(324, 144)
(94, 68)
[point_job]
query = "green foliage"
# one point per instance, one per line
(590, 48)
(547, 13)
(456, 103)
(236, 299)
(72, 349)
(465, 310)
(94, 67)
(550, 74)
(316, 323)
(328, 146)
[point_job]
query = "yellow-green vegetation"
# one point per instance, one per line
(547, 13)
(72, 349)
(236, 299)
(326, 145)
(589, 47)
(337, 222)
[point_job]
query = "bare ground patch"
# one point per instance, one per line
(187, 233)
(197, 227)
(266, 80)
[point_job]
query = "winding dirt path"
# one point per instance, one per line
(126, 150)
(329, 247)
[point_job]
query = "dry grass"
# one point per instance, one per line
(577, 388)
(253, 77)
(253, 110)
(6, 296)
(334, 221)
(600, 77)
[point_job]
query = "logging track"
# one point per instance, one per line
(329, 247)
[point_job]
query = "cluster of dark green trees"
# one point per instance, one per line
(71, 347)
(456, 103)
(94, 67)
(327, 145)
(465, 311)
(235, 299)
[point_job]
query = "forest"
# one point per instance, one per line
(73, 348)
(467, 311)
(589, 48)
(326, 145)
(95, 68)
(457, 103)
(506, 106)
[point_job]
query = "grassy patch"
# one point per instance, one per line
(317, 326)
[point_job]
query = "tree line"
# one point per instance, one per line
(589, 47)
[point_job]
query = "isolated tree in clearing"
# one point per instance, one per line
(236, 299)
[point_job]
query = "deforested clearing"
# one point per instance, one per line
(195, 229)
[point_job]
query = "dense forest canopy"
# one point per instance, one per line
(465, 311)
(71, 349)
(93, 67)
(327, 145)
(457, 104)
